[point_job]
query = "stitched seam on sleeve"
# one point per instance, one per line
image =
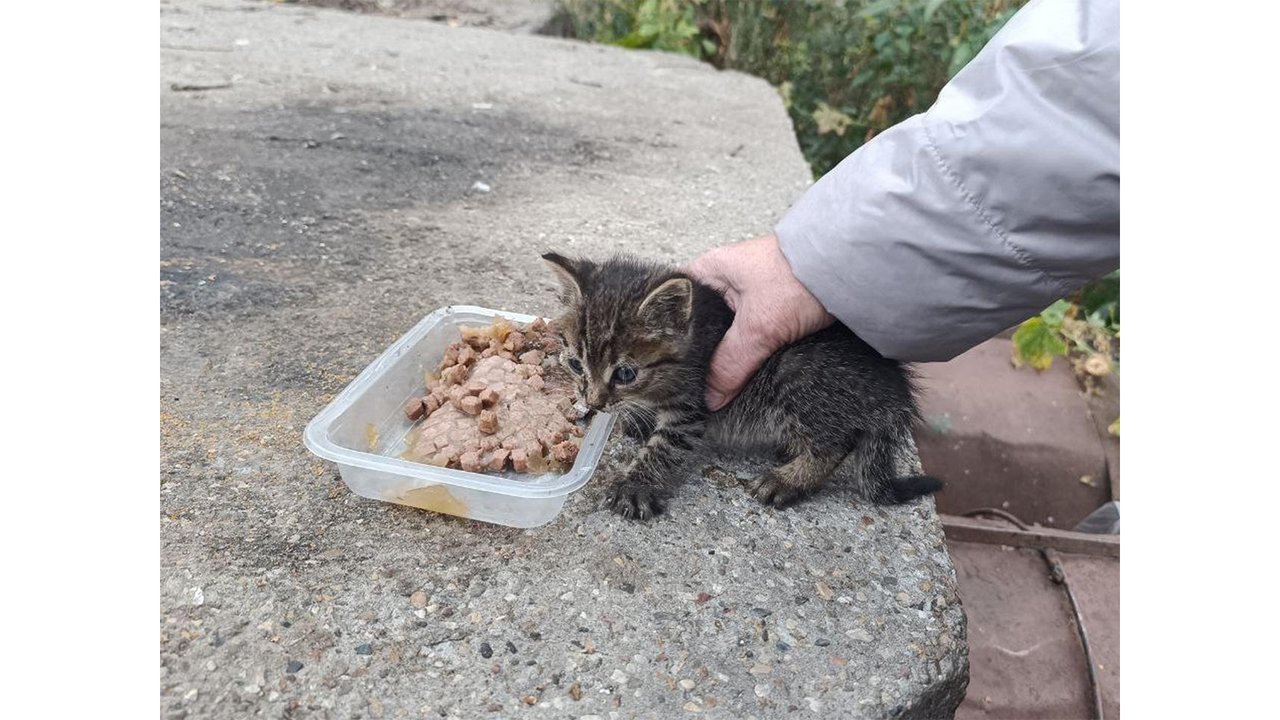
(1021, 255)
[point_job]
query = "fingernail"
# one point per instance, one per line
(714, 400)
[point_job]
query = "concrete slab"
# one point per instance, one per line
(527, 16)
(1011, 438)
(324, 191)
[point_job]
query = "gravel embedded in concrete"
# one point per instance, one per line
(321, 204)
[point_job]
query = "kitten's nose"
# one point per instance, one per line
(595, 399)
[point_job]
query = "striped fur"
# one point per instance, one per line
(813, 403)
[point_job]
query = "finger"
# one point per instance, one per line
(737, 357)
(707, 270)
(711, 274)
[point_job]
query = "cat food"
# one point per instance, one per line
(415, 409)
(497, 402)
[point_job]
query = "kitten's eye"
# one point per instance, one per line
(624, 375)
(575, 365)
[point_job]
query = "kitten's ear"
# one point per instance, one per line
(669, 306)
(568, 272)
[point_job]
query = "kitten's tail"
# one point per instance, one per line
(910, 487)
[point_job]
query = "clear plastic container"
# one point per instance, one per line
(364, 431)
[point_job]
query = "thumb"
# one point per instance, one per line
(740, 353)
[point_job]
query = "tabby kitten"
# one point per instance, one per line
(638, 339)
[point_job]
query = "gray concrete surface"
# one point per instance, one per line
(527, 16)
(317, 200)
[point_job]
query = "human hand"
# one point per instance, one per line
(772, 309)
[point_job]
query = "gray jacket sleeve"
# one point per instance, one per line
(1004, 196)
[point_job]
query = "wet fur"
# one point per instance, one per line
(811, 404)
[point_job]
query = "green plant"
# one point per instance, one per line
(846, 70)
(641, 24)
(1084, 328)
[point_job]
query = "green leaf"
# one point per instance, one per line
(963, 54)
(785, 91)
(879, 7)
(1114, 428)
(931, 7)
(1037, 344)
(1056, 313)
(1101, 294)
(635, 39)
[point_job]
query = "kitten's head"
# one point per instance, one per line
(626, 331)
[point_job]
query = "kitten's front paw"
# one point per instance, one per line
(634, 502)
(771, 489)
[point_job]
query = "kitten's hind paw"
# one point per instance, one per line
(771, 489)
(634, 503)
